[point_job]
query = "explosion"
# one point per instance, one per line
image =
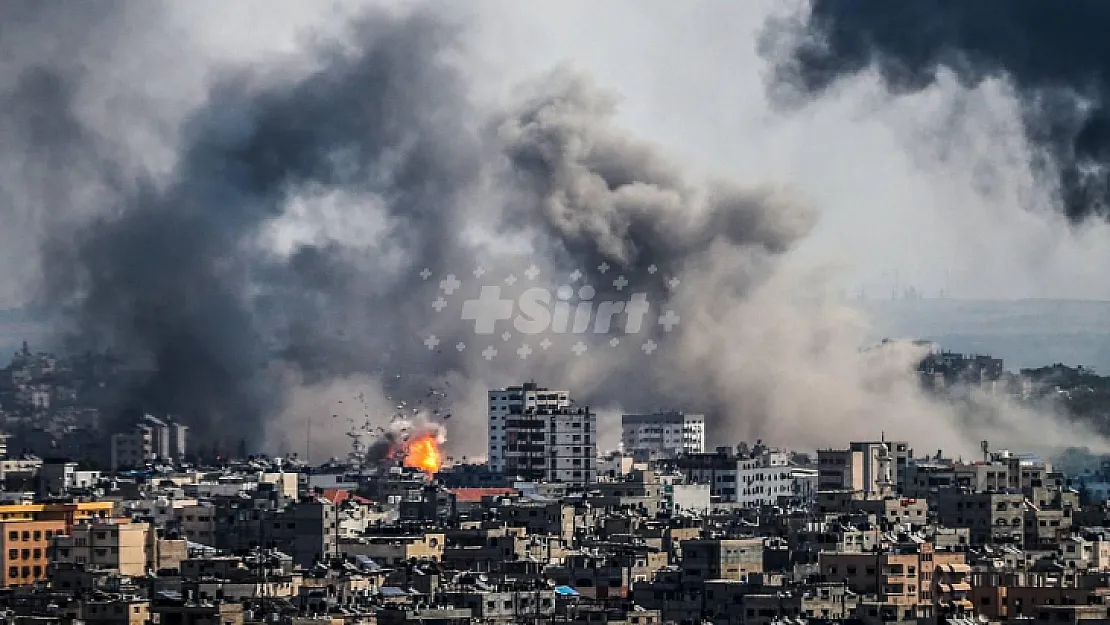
(421, 451)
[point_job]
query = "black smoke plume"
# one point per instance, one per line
(1054, 52)
(271, 268)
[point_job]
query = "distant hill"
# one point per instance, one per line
(1025, 333)
(16, 326)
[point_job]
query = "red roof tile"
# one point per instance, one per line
(335, 495)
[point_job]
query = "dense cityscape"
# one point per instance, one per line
(368, 312)
(667, 528)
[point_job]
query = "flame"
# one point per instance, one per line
(422, 452)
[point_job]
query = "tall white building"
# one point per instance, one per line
(662, 434)
(536, 433)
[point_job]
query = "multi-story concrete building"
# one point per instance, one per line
(732, 559)
(396, 549)
(124, 610)
(1088, 550)
(990, 517)
(114, 544)
(536, 433)
(662, 434)
(512, 402)
(25, 550)
(901, 576)
(872, 469)
(132, 449)
(761, 478)
(307, 530)
(150, 440)
(57, 477)
(68, 513)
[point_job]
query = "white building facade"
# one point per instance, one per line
(536, 433)
(662, 434)
(759, 480)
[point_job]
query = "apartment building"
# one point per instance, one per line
(760, 478)
(197, 522)
(662, 434)
(112, 544)
(729, 559)
(901, 576)
(152, 439)
(25, 549)
(990, 517)
(307, 530)
(512, 402)
(871, 469)
(1086, 551)
(396, 549)
(130, 610)
(57, 477)
(68, 513)
(537, 434)
(952, 590)
(889, 511)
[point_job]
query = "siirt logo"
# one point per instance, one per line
(537, 311)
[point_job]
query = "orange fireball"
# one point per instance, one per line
(422, 452)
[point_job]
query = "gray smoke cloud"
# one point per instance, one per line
(263, 268)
